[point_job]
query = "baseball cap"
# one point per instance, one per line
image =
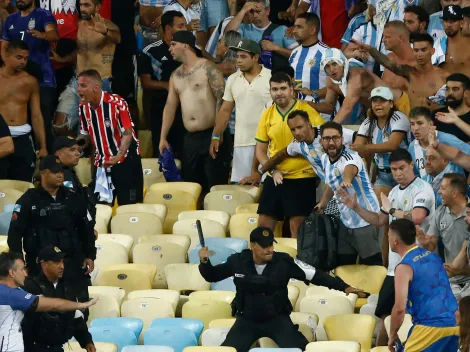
(264, 236)
(466, 12)
(187, 37)
(250, 46)
(452, 12)
(50, 162)
(382, 92)
(50, 253)
(64, 142)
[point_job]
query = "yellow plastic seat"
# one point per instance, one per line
(175, 200)
(20, 186)
(206, 310)
(404, 329)
(247, 208)
(324, 306)
(302, 289)
(108, 253)
(380, 349)
(170, 296)
(152, 174)
(104, 211)
(100, 225)
(288, 242)
(74, 346)
(4, 240)
(220, 216)
(188, 227)
(113, 291)
(159, 210)
(185, 277)
(136, 224)
(351, 327)
(181, 240)
(106, 307)
(366, 277)
(124, 240)
(159, 254)
(333, 346)
(83, 171)
(252, 190)
(8, 196)
(223, 296)
(285, 249)
(226, 200)
(325, 291)
(222, 323)
(130, 277)
(209, 349)
(4, 249)
(241, 225)
(293, 294)
(192, 188)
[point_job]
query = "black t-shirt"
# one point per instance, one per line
(451, 128)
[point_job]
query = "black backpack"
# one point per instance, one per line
(278, 61)
(317, 241)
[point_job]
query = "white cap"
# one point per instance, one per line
(382, 92)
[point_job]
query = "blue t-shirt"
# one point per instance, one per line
(17, 26)
(250, 31)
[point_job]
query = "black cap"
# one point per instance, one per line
(64, 142)
(50, 162)
(452, 12)
(264, 236)
(51, 253)
(187, 37)
(466, 12)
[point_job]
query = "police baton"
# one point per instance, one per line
(199, 232)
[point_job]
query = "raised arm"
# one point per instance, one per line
(238, 19)
(449, 153)
(113, 34)
(452, 118)
(217, 84)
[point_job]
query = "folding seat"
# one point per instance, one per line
(117, 335)
(285, 249)
(206, 311)
(351, 327)
(226, 200)
(9, 196)
(192, 188)
(105, 212)
(313, 290)
(404, 329)
(334, 346)
(116, 292)
(100, 225)
(194, 325)
(235, 244)
(159, 210)
(130, 277)
(224, 285)
(293, 294)
(124, 240)
(106, 307)
(217, 255)
(187, 227)
(287, 242)
(108, 253)
(170, 296)
(136, 224)
(176, 337)
(21, 186)
(133, 324)
(221, 323)
(221, 217)
(214, 336)
(152, 174)
(242, 224)
(251, 208)
(181, 240)
(185, 277)
(223, 296)
(74, 346)
(253, 190)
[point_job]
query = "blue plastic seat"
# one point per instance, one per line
(133, 324)
(115, 334)
(217, 255)
(8, 207)
(172, 336)
(224, 285)
(194, 325)
(149, 348)
(5, 219)
(236, 244)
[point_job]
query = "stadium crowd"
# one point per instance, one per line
(363, 103)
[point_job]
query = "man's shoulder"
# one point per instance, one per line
(114, 99)
(156, 49)
(42, 12)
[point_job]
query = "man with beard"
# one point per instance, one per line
(19, 93)
(457, 91)
(96, 42)
(416, 19)
(248, 91)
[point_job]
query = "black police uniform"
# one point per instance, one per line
(261, 304)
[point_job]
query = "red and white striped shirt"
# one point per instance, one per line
(105, 125)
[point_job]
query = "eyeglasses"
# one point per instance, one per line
(332, 138)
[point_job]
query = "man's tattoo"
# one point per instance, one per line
(180, 74)
(400, 70)
(107, 59)
(216, 82)
(408, 215)
(125, 142)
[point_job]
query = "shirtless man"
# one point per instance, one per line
(18, 91)
(199, 86)
(423, 79)
(96, 42)
(350, 79)
(396, 39)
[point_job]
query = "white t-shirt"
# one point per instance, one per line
(418, 194)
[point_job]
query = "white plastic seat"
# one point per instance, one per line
(9, 196)
(220, 216)
(188, 227)
(325, 291)
(170, 296)
(226, 200)
(108, 253)
(124, 240)
(185, 277)
(106, 307)
(223, 296)
(112, 291)
(136, 224)
(181, 240)
(20, 186)
(252, 190)
(159, 210)
(83, 170)
(333, 346)
(130, 277)
(214, 336)
(104, 211)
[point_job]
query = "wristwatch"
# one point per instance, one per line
(392, 211)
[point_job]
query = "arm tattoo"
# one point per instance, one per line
(125, 141)
(216, 82)
(400, 70)
(408, 215)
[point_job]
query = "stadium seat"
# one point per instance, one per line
(8, 207)
(149, 348)
(159, 210)
(404, 329)
(194, 325)
(181, 240)
(170, 296)
(251, 208)
(187, 227)
(151, 172)
(209, 349)
(192, 188)
(74, 346)
(185, 277)
(83, 171)
(380, 349)
(370, 310)
(106, 307)
(293, 294)
(287, 242)
(159, 254)
(224, 285)
(133, 324)
(325, 291)
(113, 291)
(5, 219)
(4, 240)
(108, 253)
(367, 278)
(236, 244)
(226, 200)
(120, 336)
(302, 289)
(104, 211)
(334, 346)
(223, 296)
(351, 327)
(222, 323)
(130, 277)
(3, 249)
(252, 190)
(266, 342)
(275, 349)
(324, 306)
(136, 225)
(206, 311)
(175, 200)
(9, 196)
(214, 336)
(124, 240)
(285, 249)
(217, 255)
(100, 225)
(173, 336)
(220, 216)
(20, 186)
(304, 318)
(242, 224)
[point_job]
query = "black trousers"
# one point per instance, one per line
(48, 100)
(43, 348)
(245, 332)
(22, 162)
(128, 180)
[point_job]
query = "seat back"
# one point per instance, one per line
(9, 196)
(235, 244)
(194, 325)
(404, 328)
(124, 240)
(188, 227)
(222, 323)
(215, 215)
(351, 327)
(116, 292)
(181, 240)
(224, 285)
(130, 277)
(192, 188)
(223, 296)
(136, 224)
(108, 253)
(133, 324)
(214, 336)
(104, 211)
(226, 200)
(206, 310)
(20, 186)
(106, 307)
(115, 334)
(254, 191)
(152, 174)
(185, 277)
(285, 249)
(170, 296)
(251, 208)
(334, 346)
(176, 337)
(159, 210)
(324, 291)
(242, 224)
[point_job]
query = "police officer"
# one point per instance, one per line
(48, 331)
(261, 305)
(54, 215)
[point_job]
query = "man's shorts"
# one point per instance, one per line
(403, 104)
(386, 297)
(295, 197)
(432, 339)
(363, 241)
(384, 179)
(69, 101)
